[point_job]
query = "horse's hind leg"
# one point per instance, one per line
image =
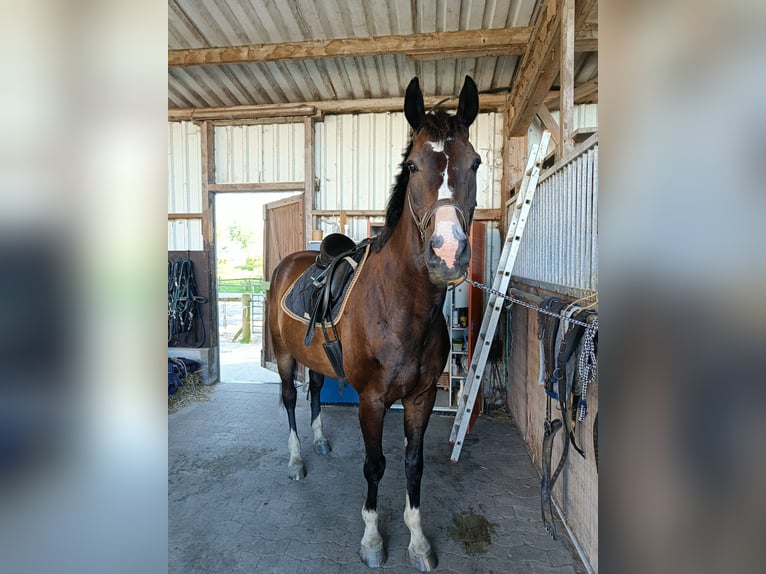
(321, 444)
(286, 367)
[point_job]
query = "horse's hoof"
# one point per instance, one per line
(423, 562)
(296, 471)
(373, 557)
(322, 447)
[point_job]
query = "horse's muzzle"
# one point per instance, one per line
(447, 262)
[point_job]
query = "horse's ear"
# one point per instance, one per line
(414, 109)
(468, 106)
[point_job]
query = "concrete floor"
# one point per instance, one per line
(242, 364)
(233, 509)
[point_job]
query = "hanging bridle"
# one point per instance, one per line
(422, 222)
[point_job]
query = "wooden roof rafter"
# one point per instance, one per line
(540, 64)
(433, 46)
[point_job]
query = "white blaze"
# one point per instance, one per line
(445, 191)
(446, 224)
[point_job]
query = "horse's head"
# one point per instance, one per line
(441, 190)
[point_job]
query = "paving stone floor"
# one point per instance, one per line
(233, 509)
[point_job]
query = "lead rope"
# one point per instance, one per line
(586, 367)
(527, 305)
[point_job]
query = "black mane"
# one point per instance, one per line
(439, 126)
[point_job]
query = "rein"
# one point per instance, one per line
(423, 223)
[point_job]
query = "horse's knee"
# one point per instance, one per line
(374, 467)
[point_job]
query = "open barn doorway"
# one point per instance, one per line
(242, 283)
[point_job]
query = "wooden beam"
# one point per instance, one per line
(566, 76)
(540, 63)
(349, 213)
(479, 214)
(248, 112)
(207, 141)
(586, 93)
(487, 102)
(511, 39)
(587, 38)
(550, 123)
(308, 177)
(263, 121)
(207, 136)
(533, 67)
(256, 187)
(486, 215)
(197, 215)
(436, 45)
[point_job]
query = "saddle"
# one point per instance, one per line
(336, 267)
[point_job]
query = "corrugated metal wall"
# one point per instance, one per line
(184, 168)
(560, 242)
(357, 159)
(266, 153)
(185, 235)
(184, 185)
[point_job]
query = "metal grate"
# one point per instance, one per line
(560, 246)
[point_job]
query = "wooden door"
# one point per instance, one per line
(282, 235)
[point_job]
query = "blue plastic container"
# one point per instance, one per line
(331, 396)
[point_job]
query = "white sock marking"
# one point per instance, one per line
(371, 538)
(418, 542)
(294, 445)
(316, 426)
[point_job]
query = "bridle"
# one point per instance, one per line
(423, 222)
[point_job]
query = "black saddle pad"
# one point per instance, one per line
(298, 299)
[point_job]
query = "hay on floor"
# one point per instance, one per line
(192, 390)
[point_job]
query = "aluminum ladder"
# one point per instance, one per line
(495, 303)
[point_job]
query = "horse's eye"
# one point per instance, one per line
(411, 166)
(476, 163)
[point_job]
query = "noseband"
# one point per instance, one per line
(422, 222)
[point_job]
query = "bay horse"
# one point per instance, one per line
(392, 331)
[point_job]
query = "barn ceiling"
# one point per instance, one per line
(287, 54)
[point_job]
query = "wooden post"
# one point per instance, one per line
(208, 179)
(566, 75)
(308, 175)
(207, 140)
(342, 221)
(514, 161)
(246, 335)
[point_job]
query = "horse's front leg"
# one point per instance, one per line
(371, 413)
(321, 444)
(417, 411)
